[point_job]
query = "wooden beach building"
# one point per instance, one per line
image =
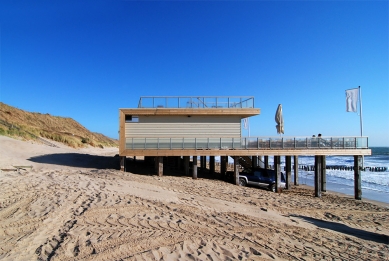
(200, 127)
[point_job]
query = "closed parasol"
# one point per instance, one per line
(279, 120)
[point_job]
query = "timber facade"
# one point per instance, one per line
(211, 126)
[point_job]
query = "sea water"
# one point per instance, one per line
(375, 184)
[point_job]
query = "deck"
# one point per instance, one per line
(247, 146)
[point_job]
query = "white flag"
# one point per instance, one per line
(351, 100)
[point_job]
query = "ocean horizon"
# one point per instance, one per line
(375, 184)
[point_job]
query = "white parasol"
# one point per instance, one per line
(279, 120)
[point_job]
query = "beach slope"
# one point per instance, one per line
(73, 204)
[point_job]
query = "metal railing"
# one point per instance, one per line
(208, 102)
(248, 143)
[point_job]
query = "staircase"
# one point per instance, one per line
(247, 163)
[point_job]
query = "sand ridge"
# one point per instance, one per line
(66, 212)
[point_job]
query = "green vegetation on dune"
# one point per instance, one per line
(32, 126)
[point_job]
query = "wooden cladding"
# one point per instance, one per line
(184, 126)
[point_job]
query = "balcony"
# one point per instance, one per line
(247, 143)
(197, 102)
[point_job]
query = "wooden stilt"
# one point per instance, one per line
(156, 165)
(212, 165)
(123, 163)
(160, 166)
(318, 176)
(323, 174)
(357, 177)
(186, 165)
(194, 170)
(178, 162)
(277, 168)
(266, 162)
(223, 165)
(236, 170)
(288, 163)
(296, 170)
(254, 160)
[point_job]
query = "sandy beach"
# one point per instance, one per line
(74, 204)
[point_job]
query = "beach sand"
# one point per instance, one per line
(75, 205)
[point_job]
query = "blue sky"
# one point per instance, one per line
(87, 59)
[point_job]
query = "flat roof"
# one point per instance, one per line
(246, 112)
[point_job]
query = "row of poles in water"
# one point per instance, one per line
(343, 167)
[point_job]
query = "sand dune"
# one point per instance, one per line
(74, 205)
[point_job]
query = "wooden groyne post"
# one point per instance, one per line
(357, 177)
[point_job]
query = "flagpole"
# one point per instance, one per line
(361, 121)
(360, 110)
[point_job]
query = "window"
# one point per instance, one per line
(131, 118)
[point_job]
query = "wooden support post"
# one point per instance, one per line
(194, 170)
(266, 162)
(254, 161)
(288, 163)
(261, 161)
(160, 166)
(277, 169)
(186, 165)
(318, 176)
(212, 165)
(296, 170)
(123, 163)
(178, 162)
(236, 170)
(156, 166)
(323, 174)
(202, 165)
(357, 177)
(223, 165)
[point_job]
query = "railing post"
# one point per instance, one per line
(183, 143)
(196, 143)
(343, 143)
(144, 144)
(157, 143)
(170, 143)
(269, 143)
(306, 143)
(331, 143)
(220, 147)
(282, 142)
(207, 143)
(232, 143)
(294, 141)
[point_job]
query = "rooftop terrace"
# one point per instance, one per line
(206, 102)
